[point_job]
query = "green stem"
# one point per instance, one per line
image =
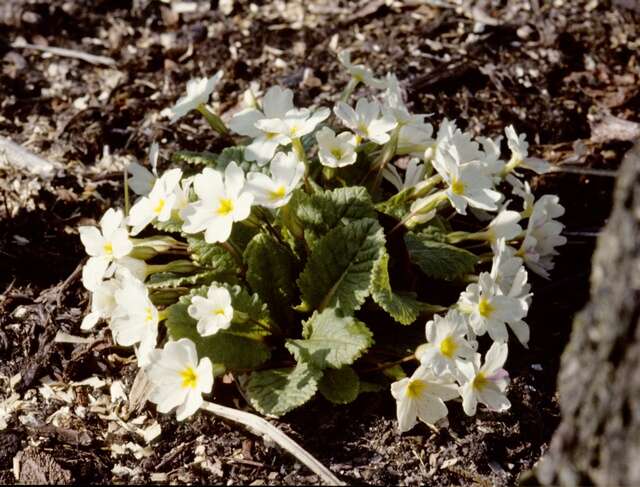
(388, 151)
(348, 90)
(431, 203)
(234, 252)
(126, 192)
(298, 148)
(386, 365)
(215, 122)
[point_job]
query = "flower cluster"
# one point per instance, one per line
(275, 244)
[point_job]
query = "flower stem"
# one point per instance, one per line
(388, 151)
(215, 122)
(386, 365)
(348, 90)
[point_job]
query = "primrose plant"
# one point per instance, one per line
(302, 257)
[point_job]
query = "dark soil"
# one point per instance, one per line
(561, 74)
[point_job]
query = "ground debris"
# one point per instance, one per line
(34, 467)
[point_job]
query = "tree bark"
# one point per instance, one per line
(598, 440)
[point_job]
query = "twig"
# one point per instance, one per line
(70, 53)
(584, 170)
(262, 427)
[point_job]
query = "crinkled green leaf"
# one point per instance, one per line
(195, 158)
(320, 212)
(271, 272)
(439, 260)
(173, 225)
(163, 280)
(340, 386)
(403, 308)
(240, 346)
(338, 272)
(212, 256)
(278, 391)
(331, 340)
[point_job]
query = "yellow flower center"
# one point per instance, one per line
(108, 248)
(337, 153)
(226, 207)
(448, 347)
(278, 193)
(457, 187)
(415, 388)
(158, 208)
(485, 308)
(270, 135)
(293, 130)
(189, 378)
(480, 381)
(362, 127)
(218, 311)
(148, 314)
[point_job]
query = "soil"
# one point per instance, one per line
(566, 74)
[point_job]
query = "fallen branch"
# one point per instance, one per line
(69, 53)
(263, 428)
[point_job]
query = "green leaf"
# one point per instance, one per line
(437, 259)
(340, 386)
(271, 272)
(238, 347)
(164, 280)
(173, 225)
(321, 212)
(195, 158)
(338, 272)
(278, 391)
(331, 340)
(403, 308)
(213, 256)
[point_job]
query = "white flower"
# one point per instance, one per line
(275, 104)
(511, 277)
(198, 92)
(504, 225)
(449, 135)
(394, 101)
(178, 379)
(365, 120)
(295, 124)
(105, 245)
(221, 203)
(135, 319)
(359, 72)
(280, 123)
(489, 310)
(447, 345)
(275, 191)
(158, 205)
(421, 397)
(543, 235)
(142, 180)
(466, 183)
(213, 313)
(103, 303)
(486, 384)
(523, 190)
(505, 265)
(336, 150)
(490, 161)
(519, 153)
(414, 173)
